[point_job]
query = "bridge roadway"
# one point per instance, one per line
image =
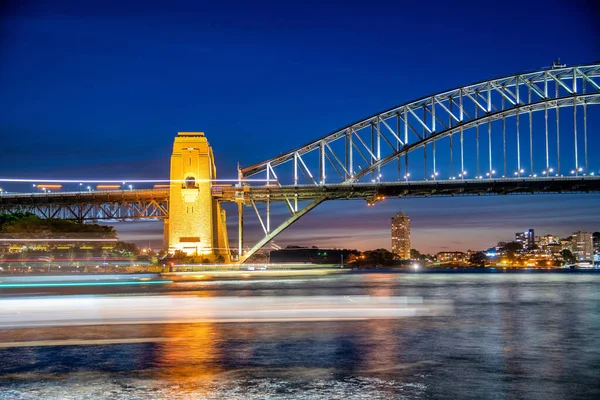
(153, 203)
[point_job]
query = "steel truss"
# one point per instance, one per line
(121, 205)
(473, 114)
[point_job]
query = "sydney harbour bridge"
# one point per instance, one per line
(532, 132)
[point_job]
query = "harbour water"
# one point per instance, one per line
(499, 335)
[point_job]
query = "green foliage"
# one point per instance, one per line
(7, 218)
(28, 225)
(512, 249)
(478, 259)
(126, 249)
(416, 255)
(513, 246)
(568, 257)
(375, 258)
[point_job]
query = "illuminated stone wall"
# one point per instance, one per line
(195, 223)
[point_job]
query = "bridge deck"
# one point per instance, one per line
(153, 203)
(417, 189)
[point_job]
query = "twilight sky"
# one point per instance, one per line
(99, 90)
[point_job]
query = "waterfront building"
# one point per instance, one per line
(401, 235)
(451, 256)
(582, 246)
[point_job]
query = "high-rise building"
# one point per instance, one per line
(401, 235)
(527, 238)
(582, 246)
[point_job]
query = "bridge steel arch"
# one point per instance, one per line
(498, 114)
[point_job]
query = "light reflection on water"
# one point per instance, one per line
(511, 335)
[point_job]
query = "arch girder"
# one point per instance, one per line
(358, 146)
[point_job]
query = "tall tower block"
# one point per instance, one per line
(196, 222)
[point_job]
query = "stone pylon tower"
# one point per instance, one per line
(196, 223)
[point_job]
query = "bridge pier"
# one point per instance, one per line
(196, 223)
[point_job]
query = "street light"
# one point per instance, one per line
(89, 188)
(130, 187)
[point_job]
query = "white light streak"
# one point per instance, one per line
(117, 310)
(57, 240)
(20, 180)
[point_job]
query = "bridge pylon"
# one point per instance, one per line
(196, 223)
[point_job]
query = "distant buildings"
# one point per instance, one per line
(401, 235)
(582, 246)
(547, 240)
(451, 256)
(527, 238)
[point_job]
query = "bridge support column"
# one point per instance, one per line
(166, 233)
(196, 223)
(240, 228)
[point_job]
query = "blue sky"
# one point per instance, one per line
(99, 89)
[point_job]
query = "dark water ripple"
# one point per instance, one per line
(530, 336)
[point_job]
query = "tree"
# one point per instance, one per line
(478, 259)
(415, 254)
(568, 257)
(376, 258)
(29, 225)
(512, 249)
(126, 249)
(179, 255)
(515, 247)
